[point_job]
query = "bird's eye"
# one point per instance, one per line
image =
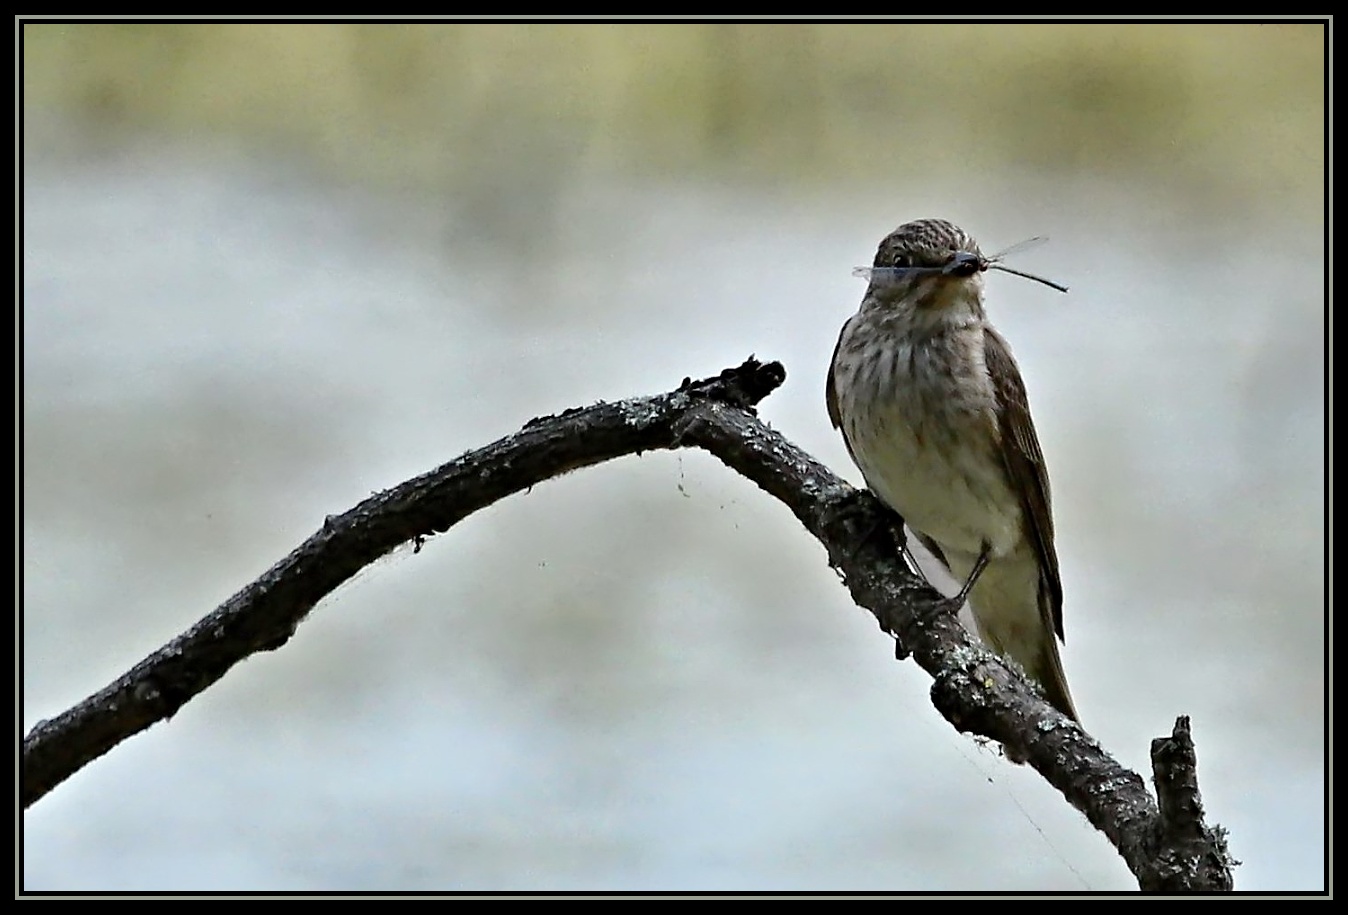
(902, 260)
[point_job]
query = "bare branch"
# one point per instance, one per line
(972, 688)
(1186, 843)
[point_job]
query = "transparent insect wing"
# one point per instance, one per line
(1019, 247)
(890, 274)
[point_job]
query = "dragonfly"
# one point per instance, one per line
(893, 274)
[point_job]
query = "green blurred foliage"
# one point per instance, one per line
(1220, 107)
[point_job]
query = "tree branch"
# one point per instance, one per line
(1167, 848)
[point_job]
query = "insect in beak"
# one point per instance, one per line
(964, 263)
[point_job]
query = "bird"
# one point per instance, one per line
(933, 410)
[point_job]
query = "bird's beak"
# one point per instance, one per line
(964, 264)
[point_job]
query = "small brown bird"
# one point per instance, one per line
(933, 410)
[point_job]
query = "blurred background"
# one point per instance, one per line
(269, 269)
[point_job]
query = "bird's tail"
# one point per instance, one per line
(1014, 620)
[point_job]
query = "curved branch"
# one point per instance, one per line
(1168, 849)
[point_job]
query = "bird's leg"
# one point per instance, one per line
(851, 508)
(979, 565)
(853, 505)
(901, 538)
(924, 613)
(953, 604)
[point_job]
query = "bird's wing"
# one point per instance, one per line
(1025, 467)
(831, 395)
